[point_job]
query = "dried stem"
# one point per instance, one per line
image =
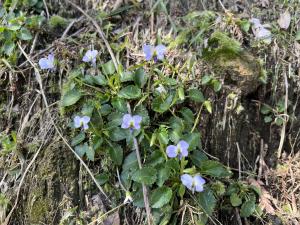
(286, 99)
(239, 159)
(223, 7)
(120, 182)
(69, 27)
(106, 214)
(238, 218)
(46, 7)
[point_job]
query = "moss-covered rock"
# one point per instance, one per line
(52, 187)
(239, 68)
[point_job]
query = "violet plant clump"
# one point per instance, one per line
(174, 165)
(169, 101)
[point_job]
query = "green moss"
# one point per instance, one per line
(55, 166)
(220, 45)
(38, 207)
(231, 62)
(57, 21)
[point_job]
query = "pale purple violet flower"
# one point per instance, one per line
(255, 22)
(194, 183)
(90, 56)
(82, 122)
(181, 150)
(260, 32)
(47, 63)
(131, 122)
(161, 89)
(263, 33)
(155, 52)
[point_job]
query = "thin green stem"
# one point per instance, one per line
(145, 191)
(197, 119)
(105, 214)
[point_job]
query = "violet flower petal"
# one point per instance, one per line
(127, 118)
(160, 51)
(187, 180)
(148, 51)
(172, 151)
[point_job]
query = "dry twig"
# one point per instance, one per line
(285, 120)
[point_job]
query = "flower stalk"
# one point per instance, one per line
(145, 190)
